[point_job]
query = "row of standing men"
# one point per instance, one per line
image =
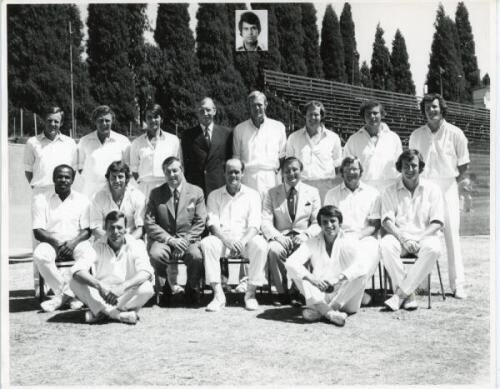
(261, 144)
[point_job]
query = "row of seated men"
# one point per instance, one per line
(261, 144)
(292, 230)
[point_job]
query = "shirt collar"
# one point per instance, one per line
(343, 186)
(441, 127)
(288, 187)
(240, 192)
(112, 136)
(321, 131)
(384, 128)
(57, 137)
(179, 188)
(210, 128)
(401, 186)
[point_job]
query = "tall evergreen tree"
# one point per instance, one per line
(215, 54)
(39, 60)
(486, 80)
(291, 38)
(178, 87)
(311, 41)
(351, 55)
(445, 65)
(467, 50)
(365, 78)
(403, 81)
(381, 68)
(332, 48)
(113, 49)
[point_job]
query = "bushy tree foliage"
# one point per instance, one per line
(332, 48)
(402, 77)
(311, 41)
(178, 86)
(445, 65)
(351, 55)
(291, 38)
(39, 60)
(467, 50)
(381, 68)
(365, 78)
(115, 49)
(486, 80)
(215, 54)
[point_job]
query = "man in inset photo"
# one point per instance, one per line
(250, 28)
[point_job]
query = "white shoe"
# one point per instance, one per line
(410, 303)
(54, 303)
(242, 286)
(336, 317)
(251, 303)
(460, 293)
(366, 300)
(216, 304)
(75, 304)
(128, 317)
(90, 318)
(394, 303)
(310, 314)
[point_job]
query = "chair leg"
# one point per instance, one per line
(380, 273)
(429, 291)
(157, 289)
(440, 280)
(41, 288)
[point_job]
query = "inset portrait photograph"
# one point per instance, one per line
(251, 30)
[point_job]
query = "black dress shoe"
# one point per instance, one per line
(192, 297)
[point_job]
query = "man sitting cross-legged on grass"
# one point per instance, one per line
(335, 285)
(121, 281)
(412, 214)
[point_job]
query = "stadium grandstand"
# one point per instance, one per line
(342, 102)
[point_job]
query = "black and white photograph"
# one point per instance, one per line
(318, 212)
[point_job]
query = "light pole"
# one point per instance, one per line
(73, 129)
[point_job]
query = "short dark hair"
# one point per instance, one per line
(408, 155)
(118, 167)
(348, 161)
(429, 98)
(292, 159)
(53, 109)
(250, 18)
(329, 211)
(63, 166)
(235, 159)
(170, 160)
(315, 104)
(102, 110)
(155, 109)
(113, 217)
(369, 104)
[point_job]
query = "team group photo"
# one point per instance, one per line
(237, 194)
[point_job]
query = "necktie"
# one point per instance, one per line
(292, 203)
(207, 137)
(176, 200)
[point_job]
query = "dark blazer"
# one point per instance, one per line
(160, 222)
(204, 167)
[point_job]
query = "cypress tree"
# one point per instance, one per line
(113, 47)
(403, 81)
(381, 68)
(215, 55)
(332, 48)
(365, 78)
(39, 59)
(291, 38)
(311, 41)
(178, 86)
(351, 55)
(445, 66)
(467, 50)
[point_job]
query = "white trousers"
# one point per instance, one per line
(408, 281)
(347, 297)
(369, 250)
(132, 299)
(255, 250)
(44, 257)
(146, 186)
(449, 188)
(323, 185)
(260, 180)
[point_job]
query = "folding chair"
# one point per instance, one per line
(410, 259)
(226, 261)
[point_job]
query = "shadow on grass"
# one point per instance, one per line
(23, 301)
(286, 315)
(76, 317)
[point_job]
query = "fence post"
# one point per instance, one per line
(34, 120)
(21, 122)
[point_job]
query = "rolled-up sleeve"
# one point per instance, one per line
(336, 151)
(462, 150)
(375, 209)
(39, 212)
(85, 216)
(29, 157)
(389, 203)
